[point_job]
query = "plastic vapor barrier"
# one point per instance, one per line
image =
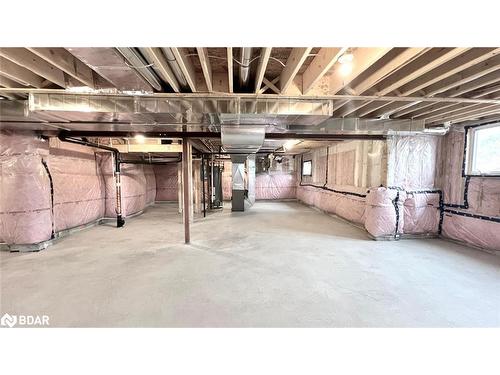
(467, 196)
(149, 174)
(412, 161)
(421, 213)
(166, 182)
(275, 186)
(79, 191)
(133, 187)
(25, 199)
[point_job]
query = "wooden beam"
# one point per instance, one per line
(19, 74)
(398, 62)
(271, 85)
(486, 80)
(34, 63)
(391, 108)
(265, 53)
(187, 188)
(430, 60)
(205, 66)
(65, 61)
(351, 107)
(155, 55)
(363, 59)
(230, 73)
(320, 65)
(293, 64)
(473, 111)
(457, 110)
(273, 82)
(7, 82)
(471, 74)
(479, 114)
(372, 106)
(466, 60)
(186, 67)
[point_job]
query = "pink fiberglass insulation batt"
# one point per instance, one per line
(227, 181)
(275, 186)
(149, 174)
(412, 161)
(381, 213)
(166, 182)
(421, 213)
(349, 207)
(483, 197)
(133, 186)
(25, 199)
(79, 192)
(482, 233)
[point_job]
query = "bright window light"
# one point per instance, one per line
(307, 168)
(484, 150)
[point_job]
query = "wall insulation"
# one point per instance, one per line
(387, 186)
(78, 184)
(481, 198)
(166, 182)
(25, 199)
(51, 186)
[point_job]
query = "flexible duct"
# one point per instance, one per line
(174, 65)
(245, 56)
(140, 64)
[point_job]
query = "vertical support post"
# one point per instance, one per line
(187, 180)
(251, 178)
(203, 184)
(197, 186)
(120, 222)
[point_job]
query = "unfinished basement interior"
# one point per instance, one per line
(251, 186)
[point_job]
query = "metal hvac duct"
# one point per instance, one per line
(242, 139)
(245, 56)
(174, 65)
(140, 65)
(109, 63)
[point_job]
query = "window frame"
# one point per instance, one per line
(470, 151)
(302, 169)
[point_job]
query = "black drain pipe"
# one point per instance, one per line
(120, 221)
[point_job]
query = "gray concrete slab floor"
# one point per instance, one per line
(276, 265)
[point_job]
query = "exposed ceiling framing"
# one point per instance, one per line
(437, 85)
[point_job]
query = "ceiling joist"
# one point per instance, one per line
(265, 54)
(205, 66)
(186, 67)
(320, 65)
(293, 64)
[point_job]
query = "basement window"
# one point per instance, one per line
(484, 150)
(307, 168)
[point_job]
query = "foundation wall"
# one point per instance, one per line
(483, 197)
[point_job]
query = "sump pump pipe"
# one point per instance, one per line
(120, 221)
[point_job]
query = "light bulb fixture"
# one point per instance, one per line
(288, 145)
(346, 62)
(345, 69)
(347, 57)
(139, 138)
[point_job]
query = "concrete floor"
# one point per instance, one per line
(277, 265)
